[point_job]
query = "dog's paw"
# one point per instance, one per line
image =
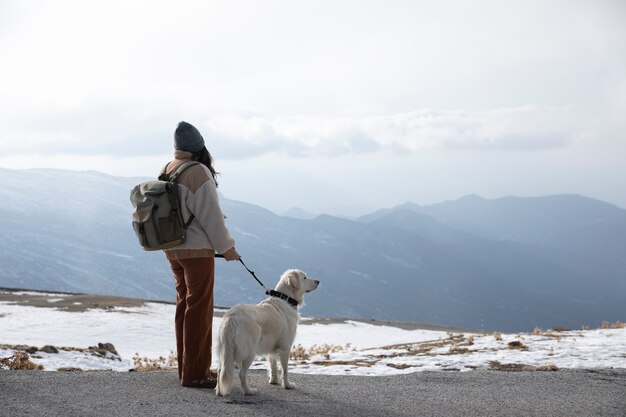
(251, 391)
(288, 385)
(274, 381)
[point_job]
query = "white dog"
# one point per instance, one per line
(267, 328)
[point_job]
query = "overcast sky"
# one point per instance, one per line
(335, 106)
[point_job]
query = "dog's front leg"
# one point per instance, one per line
(284, 363)
(273, 368)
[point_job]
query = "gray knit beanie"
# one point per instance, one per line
(187, 138)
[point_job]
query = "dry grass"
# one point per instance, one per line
(560, 329)
(547, 368)
(399, 365)
(551, 333)
(516, 344)
(517, 367)
(300, 353)
(19, 361)
(509, 367)
(455, 350)
(616, 325)
(457, 343)
(69, 369)
(355, 362)
(159, 364)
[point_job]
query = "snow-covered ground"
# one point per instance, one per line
(350, 347)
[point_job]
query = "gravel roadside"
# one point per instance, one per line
(478, 393)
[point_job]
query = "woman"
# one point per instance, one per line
(193, 262)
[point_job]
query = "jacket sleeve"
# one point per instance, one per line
(204, 203)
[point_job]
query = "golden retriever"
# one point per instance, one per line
(267, 328)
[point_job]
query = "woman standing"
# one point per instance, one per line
(193, 262)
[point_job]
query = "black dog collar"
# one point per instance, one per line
(292, 301)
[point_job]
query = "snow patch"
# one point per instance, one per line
(350, 347)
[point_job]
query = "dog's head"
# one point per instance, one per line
(295, 283)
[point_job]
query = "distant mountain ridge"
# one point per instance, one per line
(298, 213)
(509, 264)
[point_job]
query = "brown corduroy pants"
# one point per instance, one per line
(194, 316)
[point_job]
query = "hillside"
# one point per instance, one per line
(508, 264)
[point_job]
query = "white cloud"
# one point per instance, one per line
(115, 131)
(524, 128)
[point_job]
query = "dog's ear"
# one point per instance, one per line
(293, 279)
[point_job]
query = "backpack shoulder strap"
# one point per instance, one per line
(181, 169)
(163, 175)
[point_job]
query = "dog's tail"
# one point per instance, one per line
(226, 354)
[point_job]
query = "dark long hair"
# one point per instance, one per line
(204, 157)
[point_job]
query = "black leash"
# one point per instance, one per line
(217, 255)
(271, 293)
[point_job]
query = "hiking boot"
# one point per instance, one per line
(201, 383)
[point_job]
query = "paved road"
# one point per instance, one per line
(477, 393)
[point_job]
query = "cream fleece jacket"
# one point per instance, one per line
(207, 233)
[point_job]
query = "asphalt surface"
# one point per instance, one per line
(478, 393)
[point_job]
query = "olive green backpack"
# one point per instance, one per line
(157, 217)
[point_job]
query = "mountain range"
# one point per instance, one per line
(509, 264)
